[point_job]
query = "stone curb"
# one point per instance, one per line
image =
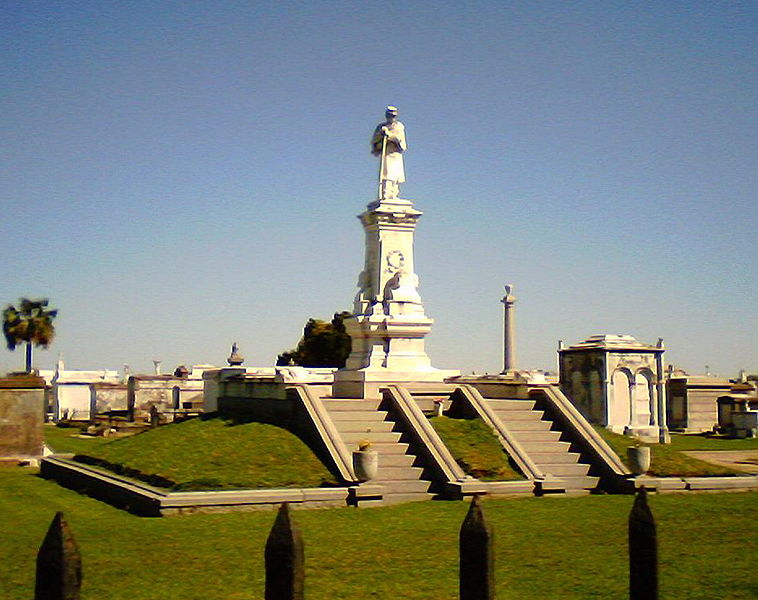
(147, 500)
(677, 484)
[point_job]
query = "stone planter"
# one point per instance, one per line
(365, 464)
(639, 459)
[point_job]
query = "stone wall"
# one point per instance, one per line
(22, 413)
(168, 393)
(108, 397)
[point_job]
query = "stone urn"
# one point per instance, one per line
(365, 463)
(639, 459)
(439, 406)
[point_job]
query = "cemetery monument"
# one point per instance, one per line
(389, 323)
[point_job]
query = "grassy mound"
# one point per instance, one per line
(475, 448)
(668, 460)
(202, 454)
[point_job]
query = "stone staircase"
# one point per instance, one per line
(398, 474)
(552, 456)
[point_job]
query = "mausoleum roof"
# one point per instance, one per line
(614, 342)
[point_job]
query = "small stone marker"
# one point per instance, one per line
(643, 550)
(59, 564)
(284, 559)
(477, 555)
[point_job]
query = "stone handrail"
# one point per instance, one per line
(332, 440)
(574, 419)
(515, 450)
(428, 437)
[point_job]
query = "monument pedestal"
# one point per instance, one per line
(389, 323)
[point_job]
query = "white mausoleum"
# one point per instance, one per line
(617, 381)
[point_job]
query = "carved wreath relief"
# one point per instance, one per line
(395, 261)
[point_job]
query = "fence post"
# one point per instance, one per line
(285, 559)
(477, 555)
(59, 564)
(643, 550)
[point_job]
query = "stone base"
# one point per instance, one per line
(366, 383)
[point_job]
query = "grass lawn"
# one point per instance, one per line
(69, 439)
(475, 448)
(564, 548)
(681, 441)
(210, 454)
(668, 460)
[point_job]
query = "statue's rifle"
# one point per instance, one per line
(381, 164)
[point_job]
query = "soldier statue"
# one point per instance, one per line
(388, 143)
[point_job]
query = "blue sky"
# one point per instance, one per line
(176, 176)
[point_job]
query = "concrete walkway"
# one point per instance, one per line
(740, 460)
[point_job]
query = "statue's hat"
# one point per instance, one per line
(391, 109)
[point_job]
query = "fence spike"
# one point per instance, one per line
(284, 559)
(59, 564)
(477, 555)
(643, 550)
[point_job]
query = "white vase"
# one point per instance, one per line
(365, 464)
(639, 459)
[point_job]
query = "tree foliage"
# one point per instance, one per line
(324, 344)
(31, 323)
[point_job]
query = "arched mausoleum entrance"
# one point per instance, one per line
(644, 407)
(621, 413)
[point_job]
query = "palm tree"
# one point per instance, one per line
(31, 323)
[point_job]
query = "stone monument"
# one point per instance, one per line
(389, 324)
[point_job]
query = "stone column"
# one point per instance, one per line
(632, 401)
(509, 336)
(663, 429)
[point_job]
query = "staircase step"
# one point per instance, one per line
(508, 416)
(364, 426)
(406, 497)
(353, 437)
(395, 460)
(335, 404)
(522, 425)
(535, 436)
(403, 486)
(400, 473)
(554, 457)
(395, 448)
(358, 415)
(544, 446)
(586, 482)
(564, 469)
(571, 484)
(516, 405)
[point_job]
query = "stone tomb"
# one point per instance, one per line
(692, 401)
(22, 413)
(617, 381)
